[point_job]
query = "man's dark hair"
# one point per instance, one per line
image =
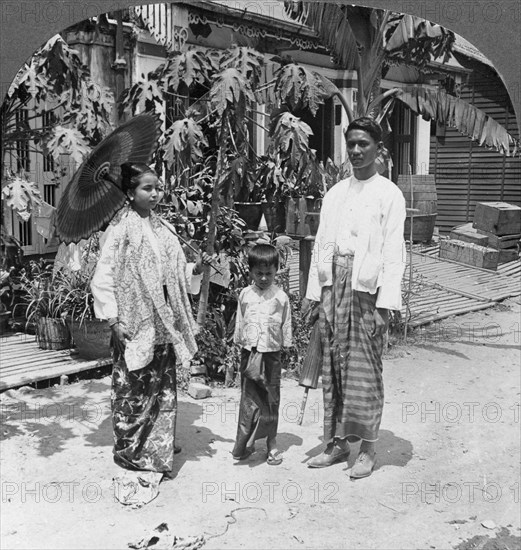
(263, 255)
(368, 125)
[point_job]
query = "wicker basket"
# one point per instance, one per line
(52, 333)
(92, 338)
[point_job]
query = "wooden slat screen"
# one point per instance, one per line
(467, 173)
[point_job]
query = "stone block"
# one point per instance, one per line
(196, 390)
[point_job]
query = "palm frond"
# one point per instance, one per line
(458, 113)
(331, 24)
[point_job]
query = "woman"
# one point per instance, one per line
(141, 286)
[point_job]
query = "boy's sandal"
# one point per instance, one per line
(274, 459)
(248, 452)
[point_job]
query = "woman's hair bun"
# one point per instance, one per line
(126, 170)
(130, 174)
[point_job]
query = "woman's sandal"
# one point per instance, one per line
(274, 458)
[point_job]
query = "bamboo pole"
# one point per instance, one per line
(184, 241)
(409, 171)
(302, 407)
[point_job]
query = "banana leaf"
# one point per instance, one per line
(453, 111)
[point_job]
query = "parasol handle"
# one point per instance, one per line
(187, 243)
(108, 177)
(302, 407)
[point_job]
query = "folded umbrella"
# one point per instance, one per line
(311, 367)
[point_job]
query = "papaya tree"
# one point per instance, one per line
(217, 92)
(52, 108)
(370, 41)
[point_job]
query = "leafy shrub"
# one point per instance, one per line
(292, 358)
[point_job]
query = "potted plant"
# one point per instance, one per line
(271, 179)
(91, 336)
(291, 174)
(251, 213)
(11, 263)
(248, 192)
(45, 305)
(6, 294)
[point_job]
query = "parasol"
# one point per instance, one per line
(94, 194)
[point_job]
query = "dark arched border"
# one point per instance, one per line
(492, 26)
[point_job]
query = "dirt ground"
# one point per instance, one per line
(448, 472)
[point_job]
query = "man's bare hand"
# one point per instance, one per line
(381, 321)
(309, 311)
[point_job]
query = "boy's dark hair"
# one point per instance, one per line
(368, 125)
(131, 173)
(263, 255)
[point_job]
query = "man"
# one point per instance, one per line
(355, 274)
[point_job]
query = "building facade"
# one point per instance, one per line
(465, 173)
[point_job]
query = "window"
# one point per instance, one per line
(49, 194)
(48, 163)
(402, 146)
(23, 160)
(26, 233)
(48, 120)
(322, 125)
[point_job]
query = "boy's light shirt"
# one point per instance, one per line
(263, 319)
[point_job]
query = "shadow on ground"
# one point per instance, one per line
(391, 450)
(49, 415)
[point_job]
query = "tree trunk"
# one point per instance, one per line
(361, 102)
(205, 285)
(375, 92)
(347, 108)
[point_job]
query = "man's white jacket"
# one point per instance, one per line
(379, 255)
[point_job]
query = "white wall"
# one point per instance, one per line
(144, 64)
(423, 139)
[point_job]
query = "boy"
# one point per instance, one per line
(263, 326)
